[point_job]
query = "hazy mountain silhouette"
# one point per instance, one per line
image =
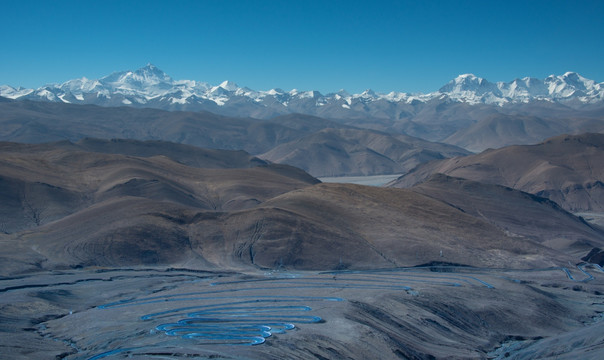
(328, 148)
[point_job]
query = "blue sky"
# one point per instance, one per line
(413, 46)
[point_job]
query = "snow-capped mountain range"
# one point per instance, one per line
(151, 87)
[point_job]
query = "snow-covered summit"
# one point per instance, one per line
(466, 82)
(570, 86)
(148, 81)
(471, 89)
(229, 85)
(151, 87)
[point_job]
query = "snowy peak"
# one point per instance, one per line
(151, 74)
(80, 86)
(368, 94)
(229, 86)
(462, 81)
(148, 76)
(570, 86)
(149, 86)
(12, 93)
(471, 89)
(576, 80)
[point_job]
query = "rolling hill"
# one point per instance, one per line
(83, 209)
(567, 169)
(350, 152)
(320, 146)
(44, 182)
(517, 213)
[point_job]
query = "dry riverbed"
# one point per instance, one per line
(455, 312)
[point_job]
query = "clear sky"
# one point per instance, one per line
(412, 46)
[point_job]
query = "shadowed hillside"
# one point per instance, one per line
(321, 146)
(71, 208)
(515, 212)
(36, 122)
(567, 169)
(42, 183)
(327, 226)
(500, 130)
(185, 154)
(339, 152)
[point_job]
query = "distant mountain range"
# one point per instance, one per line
(468, 112)
(338, 149)
(151, 87)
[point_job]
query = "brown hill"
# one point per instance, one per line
(339, 152)
(43, 183)
(516, 213)
(327, 226)
(116, 210)
(400, 228)
(185, 154)
(343, 150)
(501, 130)
(37, 122)
(567, 169)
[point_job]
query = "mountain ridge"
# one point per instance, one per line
(149, 86)
(39, 122)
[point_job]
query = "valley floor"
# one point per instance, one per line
(435, 311)
(373, 180)
(592, 217)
